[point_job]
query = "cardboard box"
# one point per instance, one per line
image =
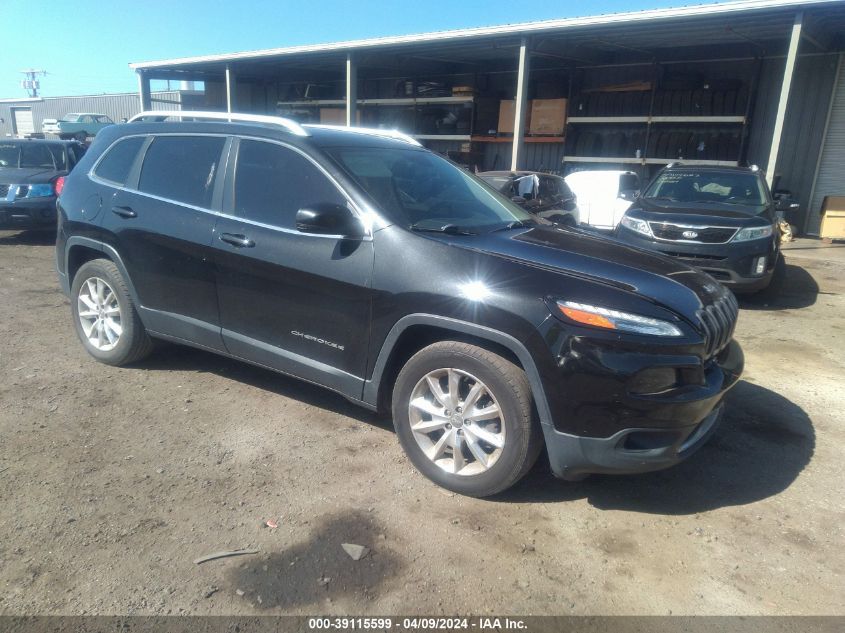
(506, 115)
(833, 218)
(333, 116)
(548, 117)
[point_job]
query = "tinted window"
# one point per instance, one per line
(118, 160)
(36, 155)
(629, 182)
(272, 183)
(59, 156)
(182, 168)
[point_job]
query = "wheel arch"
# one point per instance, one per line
(416, 331)
(80, 250)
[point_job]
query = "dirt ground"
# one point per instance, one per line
(112, 482)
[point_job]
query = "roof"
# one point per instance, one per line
(725, 13)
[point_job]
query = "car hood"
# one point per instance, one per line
(728, 214)
(26, 176)
(668, 282)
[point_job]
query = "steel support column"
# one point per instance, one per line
(231, 82)
(351, 90)
(144, 91)
(520, 104)
(788, 72)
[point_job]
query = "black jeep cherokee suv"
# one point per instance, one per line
(719, 219)
(371, 266)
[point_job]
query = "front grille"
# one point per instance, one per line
(701, 234)
(717, 322)
(4, 190)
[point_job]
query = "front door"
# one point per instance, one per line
(296, 302)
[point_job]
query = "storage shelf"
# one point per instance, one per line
(388, 102)
(603, 159)
(656, 119)
(607, 119)
(527, 139)
(691, 161)
(442, 137)
(648, 161)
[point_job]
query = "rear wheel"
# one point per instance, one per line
(105, 317)
(464, 416)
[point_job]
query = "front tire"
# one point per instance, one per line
(81, 136)
(464, 417)
(105, 317)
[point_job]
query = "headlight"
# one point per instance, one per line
(637, 225)
(753, 233)
(608, 319)
(40, 191)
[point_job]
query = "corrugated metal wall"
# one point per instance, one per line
(831, 174)
(803, 128)
(116, 106)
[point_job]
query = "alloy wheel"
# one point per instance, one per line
(99, 314)
(456, 421)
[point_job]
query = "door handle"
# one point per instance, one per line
(237, 240)
(124, 212)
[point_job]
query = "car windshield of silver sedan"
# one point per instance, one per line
(702, 187)
(424, 192)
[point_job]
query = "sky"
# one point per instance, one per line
(85, 46)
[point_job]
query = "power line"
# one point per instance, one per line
(31, 84)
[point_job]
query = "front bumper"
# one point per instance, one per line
(732, 264)
(680, 427)
(33, 213)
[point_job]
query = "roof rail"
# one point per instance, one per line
(394, 134)
(291, 126)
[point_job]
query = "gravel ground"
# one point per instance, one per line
(114, 480)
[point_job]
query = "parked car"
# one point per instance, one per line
(545, 195)
(368, 265)
(76, 125)
(30, 176)
(603, 195)
(719, 219)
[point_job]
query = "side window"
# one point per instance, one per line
(182, 168)
(273, 182)
(547, 189)
(563, 189)
(36, 155)
(117, 162)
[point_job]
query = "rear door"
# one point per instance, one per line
(163, 221)
(296, 302)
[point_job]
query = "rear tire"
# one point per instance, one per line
(105, 317)
(479, 451)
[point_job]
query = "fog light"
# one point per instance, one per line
(760, 266)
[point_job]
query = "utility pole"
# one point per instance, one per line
(31, 84)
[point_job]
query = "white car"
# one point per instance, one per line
(603, 195)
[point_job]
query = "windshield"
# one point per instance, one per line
(32, 155)
(420, 190)
(735, 188)
(70, 118)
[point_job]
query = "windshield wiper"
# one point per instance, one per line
(451, 229)
(515, 224)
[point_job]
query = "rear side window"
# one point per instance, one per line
(117, 162)
(273, 182)
(182, 168)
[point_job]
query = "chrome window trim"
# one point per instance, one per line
(367, 237)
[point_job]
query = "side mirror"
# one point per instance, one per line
(328, 218)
